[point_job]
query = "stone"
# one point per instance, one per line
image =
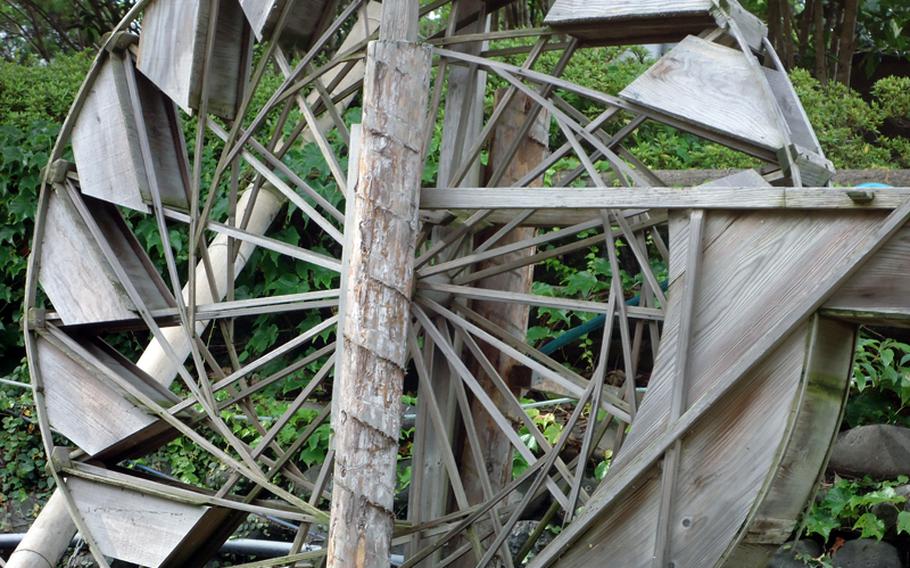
(881, 451)
(867, 553)
(520, 534)
(791, 555)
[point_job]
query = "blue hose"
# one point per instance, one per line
(594, 324)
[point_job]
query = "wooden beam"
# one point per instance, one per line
(664, 198)
(379, 282)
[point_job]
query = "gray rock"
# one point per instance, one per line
(867, 553)
(880, 450)
(520, 534)
(789, 554)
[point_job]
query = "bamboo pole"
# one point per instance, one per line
(377, 296)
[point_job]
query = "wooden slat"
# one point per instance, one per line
(172, 52)
(819, 407)
(711, 86)
(74, 273)
(106, 142)
(91, 412)
(881, 290)
(301, 26)
(132, 526)
(731, 198)
(630, 21)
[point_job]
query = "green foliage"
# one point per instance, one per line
(21, 452)
(848, 505)
(23, 154)
(43, 93)
(880, 389)
(850, 128)
(893, 97)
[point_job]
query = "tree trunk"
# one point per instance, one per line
(821, 67)
(377, 295)
(787, 39)
(847, 43)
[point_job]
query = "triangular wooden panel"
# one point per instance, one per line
(108, 140)
(86, 407)
(302, 24)
(711, 87)
(630, 21)
(132, 526)
(749, 465)
(172, 52)
(76, 275)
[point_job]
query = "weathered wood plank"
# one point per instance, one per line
(106, 142)
(301, 26)
(172, 52)
(753, 266)
(74, 273)
(91, 412)
(745, 198)
(117, 517)
(630, 21)
(712, 86)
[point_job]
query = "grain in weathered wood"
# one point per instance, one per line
(302, 22)
(377, 295)
(801, 460)
(132, 526)
(107, 144)
(711, 86)
(882, 287)
(172, 53)
(728, 198)
(75, 274)
(604, 22)
(91, 412)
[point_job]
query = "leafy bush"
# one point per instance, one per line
(39, 93)
(880, 389)
(848, 506)
(23, 154)
(21, 452)
(850, 128)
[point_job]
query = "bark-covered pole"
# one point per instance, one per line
(377, 296)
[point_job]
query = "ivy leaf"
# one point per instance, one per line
(870, 526)
(903, 522)
(821, 523)
(582, 282)
(538, 332)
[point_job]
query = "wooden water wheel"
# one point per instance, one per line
(700, 357)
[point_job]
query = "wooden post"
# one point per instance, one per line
(462, 123)
(380, 279)
(497, 451)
